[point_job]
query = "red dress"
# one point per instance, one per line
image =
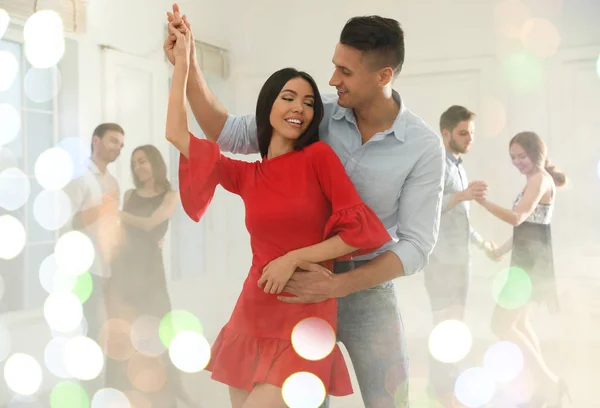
(292, 201)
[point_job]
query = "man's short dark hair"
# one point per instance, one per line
(453, 116)
(101, 130)
(378, 37)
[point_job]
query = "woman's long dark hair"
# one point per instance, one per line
(267, 96)
(159, 168)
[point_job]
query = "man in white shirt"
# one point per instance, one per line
(95, 197)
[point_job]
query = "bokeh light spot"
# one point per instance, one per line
(44, 39)
(52, 209)
(303, 390)
(146, 373)
(144, 336)
(83, 287)
(512, 288)
(504, 360)
(53, 279)
(313, 339)
(475, 387)
(63, 311)
(83, 358)
(12, 237)
(11, 123)
(4, 22)
(540, 37)
(115, 333)
(74, 253)
(23, 374)
(9, 68)
(177, 321)
(189, 351)
(523, 71)
(450, 341)
(69, 394)
(14, 188)
(42, 84)
(53, 168)
(110, 398)
(79, 153)
(54, 357)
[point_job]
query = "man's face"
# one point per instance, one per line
(355, 80)
(461, 137)
(109, 147)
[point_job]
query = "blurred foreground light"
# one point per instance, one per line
(11, 123)
(4, 22)
(110, 398)
(313, 339)
(63, 311)
(44, 39)
(69, 394)
(303, 390)
(541, 37)
(9, 68)
(74, 253)
(475, 387)
(14, 189)
(512, 288)
(175, 322)
(189, 351)
(23, 374)
(42, 84)
(83, 358)
(12, 237)
(52, 209)
(450, 341)
(504, 360)
(53, 168)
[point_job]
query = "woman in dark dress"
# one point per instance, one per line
(138, 295)
(531, 261)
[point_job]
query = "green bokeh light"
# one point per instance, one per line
(83, 287)
(176, 322)
(512, 288)
(524, 72)
(68, 394)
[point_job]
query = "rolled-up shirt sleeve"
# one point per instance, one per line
(419, 210)
(476, 238)
(239, 135)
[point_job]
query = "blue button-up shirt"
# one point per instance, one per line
(456, 231)
(398, 173)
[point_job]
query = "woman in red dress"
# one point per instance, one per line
(300, 207)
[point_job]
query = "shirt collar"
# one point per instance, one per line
(453, 158)
(398, 128)
(92, 167)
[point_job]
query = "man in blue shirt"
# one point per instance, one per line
(396, 162)
(448, 273)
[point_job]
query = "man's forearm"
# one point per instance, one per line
(381, 269)
(210, 114)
